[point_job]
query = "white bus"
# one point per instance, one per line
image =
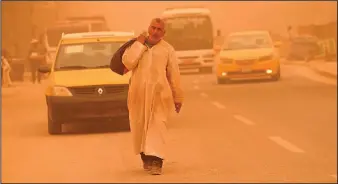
(97, 23)
(54, 33)
(190, 32)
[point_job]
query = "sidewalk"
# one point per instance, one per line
(322, 67)
(10, 91)
(20, 87)
(325, 68)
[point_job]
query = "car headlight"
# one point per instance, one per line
(61, 91)
(266, 58)
(226, 60)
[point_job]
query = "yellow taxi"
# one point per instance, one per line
(81, 85)
(248, 55)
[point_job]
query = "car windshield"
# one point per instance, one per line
(189, 32)
(252, 41)
(86, 55)
(54, 34)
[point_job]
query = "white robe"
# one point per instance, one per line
(6, 78)
(154, 87)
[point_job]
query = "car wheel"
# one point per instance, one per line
(54, 127)
(276, 77)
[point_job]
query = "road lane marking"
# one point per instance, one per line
(334, 176)
(204, 95)
(285, 144)
(218, 105)
(195, 81)
(243, 119)
(196, 87)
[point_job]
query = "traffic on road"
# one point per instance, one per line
(249, 113)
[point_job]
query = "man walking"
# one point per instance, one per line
(154, 91)
(37, 57)
(5, 70)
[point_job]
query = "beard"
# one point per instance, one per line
(154, 39)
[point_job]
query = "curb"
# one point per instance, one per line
(320, 72)
(323, 73)
(295, 63)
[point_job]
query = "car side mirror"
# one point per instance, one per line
(44, 69)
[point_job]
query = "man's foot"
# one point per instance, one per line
(147, 165)
(146, 161)
(156, 168)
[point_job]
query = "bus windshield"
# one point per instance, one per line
(189, 32)
(54, 34)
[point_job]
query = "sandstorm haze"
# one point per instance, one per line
(228, 16)
(282, 129)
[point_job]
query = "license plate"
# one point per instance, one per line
(246, 70)
(189, 70)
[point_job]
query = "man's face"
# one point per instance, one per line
(156, 31)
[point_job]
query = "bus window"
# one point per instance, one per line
(193, 32)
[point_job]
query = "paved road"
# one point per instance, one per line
(282, 131)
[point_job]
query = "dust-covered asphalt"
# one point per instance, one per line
(283, 131)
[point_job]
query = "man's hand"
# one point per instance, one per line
(142, 38)
(178, 107)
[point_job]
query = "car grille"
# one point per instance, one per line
(245, 62)
(189, 64)
(254, 72)
(93, 90)
(188, 57)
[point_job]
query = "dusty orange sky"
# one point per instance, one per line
(228, 16)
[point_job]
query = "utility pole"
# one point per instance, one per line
(31, 17)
